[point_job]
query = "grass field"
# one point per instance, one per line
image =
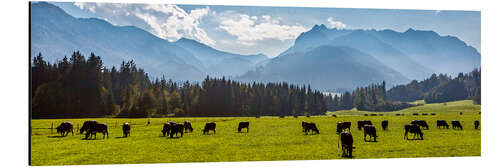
(270, 138)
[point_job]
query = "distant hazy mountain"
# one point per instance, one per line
(326, 67)
(220, 63)
(416, 54)
(56, 34)
(372, 56)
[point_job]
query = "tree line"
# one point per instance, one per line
(440, 88)
(435, 89)
(369, 98)
(78, 87)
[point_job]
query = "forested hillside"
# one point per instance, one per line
(83, 87)
(435, 89)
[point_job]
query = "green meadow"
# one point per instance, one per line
(269, 138)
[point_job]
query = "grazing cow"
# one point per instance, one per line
(65, 127)
(187, 126)
(442, 124)
(303, 126)
(126, 129)
(334, 115)
(361, 124)
(415, 114)
(341, 126)
(421, 123)
(433, 113)
(347, 141)
(167, 127)
(209, 126)
(176, 129)
(415, 129)
(242, 125)
(93, 127)
(385, 124)
(476, 124)
(370, 131)
(309, 126)
(456, 125)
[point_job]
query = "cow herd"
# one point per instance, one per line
(343, 130)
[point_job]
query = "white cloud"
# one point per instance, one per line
(249, 29)
(437, 12)
(335, 24)
(165, 21)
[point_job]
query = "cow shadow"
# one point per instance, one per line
(92, 139)
(371, 141)
(414, 139)
(58, 136)
(121, 137)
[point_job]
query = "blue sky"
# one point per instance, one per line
(271, 30)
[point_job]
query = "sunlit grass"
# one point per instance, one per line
(270, 138)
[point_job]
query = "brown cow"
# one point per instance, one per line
(476, 124)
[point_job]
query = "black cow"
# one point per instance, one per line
(347, 141)
(93, 127)
(187, 126)
(371, 132)
(456, 125)
(341, 126)
(167, 127)
(65, 127)
(442, 124)
(415, 129)
(126, 129)
(421, 123)
(476, 124)
(176, 129)
(385, 124)
(303, 126)
(242, 125)
(309, 126)
(361, 124)
(209, 126)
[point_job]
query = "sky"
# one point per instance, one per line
(270, 30)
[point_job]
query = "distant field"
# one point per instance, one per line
(270, 138)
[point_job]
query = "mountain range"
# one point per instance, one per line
(56, 34)
(324, 58)
(394, 57)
